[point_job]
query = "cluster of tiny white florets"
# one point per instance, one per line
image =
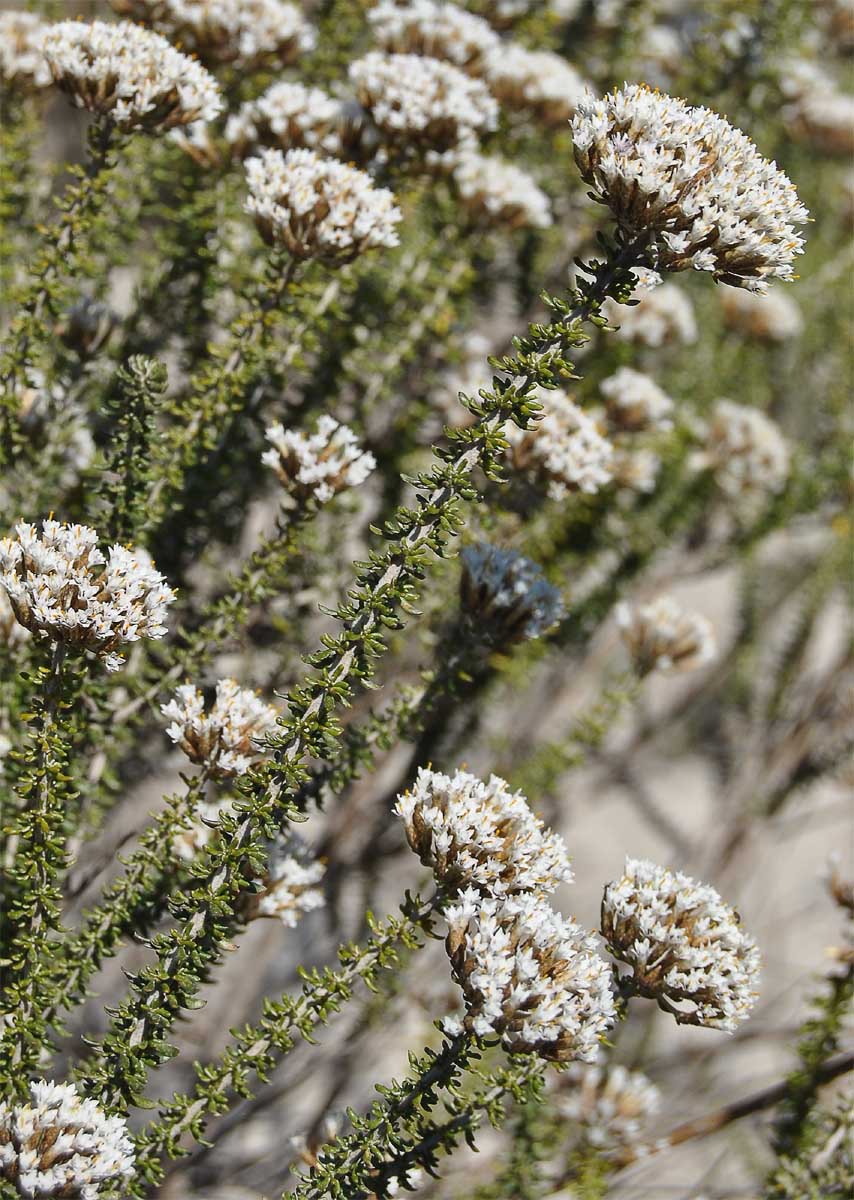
(500, 193)
(529, 976)
(224, 738)
(817, 112)
(63, 587)
(480, 835)
(635, 402)
(663, 636)
(129, 74)
(436, 30)
(535, 80)
(745, 450)
(684, 945)
(564, 446)
(317, 465)
(62, 1145)
(422, 102)
(507, 594)
(693, 186)
(774, 317)
(611, 1104)
(290, 889)
(636, 468)
(285, 117)
(662, 316)
(22, 57)
(237, 31)
(318, 207)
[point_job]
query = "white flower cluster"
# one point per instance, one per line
(774, 317)
(818, 113)
(189, 841)
(436, 30)
(507, 594)
(683, 943)
(663, 316)
(422, 102)
(318, 465)
(498, 192)
(636, 468)
(291, 889)
(529, 976)
(319, 208)
(536, 81)
(133, 76)
(564, 447)
(611, 1104)
(745, 450)
(224, 738)
(480, 835)
(22, 58)
(62, 1145)
(63, 587)
(662, 636)
(245, 32)
(696, 187)
(285, 117)
(635, 402)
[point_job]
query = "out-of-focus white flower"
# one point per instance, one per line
(290, 889)
(818, 113)
(663, 316)
(501, 194)
(317, 465)
(774, 317)
(480, 835)
(129, 74)
(692, 185)
(564, 447)
(536, 81)
(244, 32)
(62, 1145)
(637, 470)
(470, 375)
(611, 1104)
(422, 103)
(745, 450)
(635, 402)
(507, 594)
(22, 59)
(285, 117)
(319, 208)
(189, 842)
(529, 976)
(684, 945)
(62, 587)
(224, 738)
(436, 30)
(12, 632)
(662, 636)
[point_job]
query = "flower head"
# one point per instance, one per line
(684, 945)
(436, 30)
(501, 194)
(319, 208)
(611, 1104)
(635, 402)
(129, 74)
(745, 450)
(537, 80)
(244, 32)
(318, 465)
(291, 887)
(285, 117)
(774, 317)
(695, 187)
(529, 976)
(661, 636)
(564, 447)
(662, 316)
(422, 103)
(507, 594)
(63, 587)
(62, 1145)
(22, 59)
(224, 738)
(480, 835)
